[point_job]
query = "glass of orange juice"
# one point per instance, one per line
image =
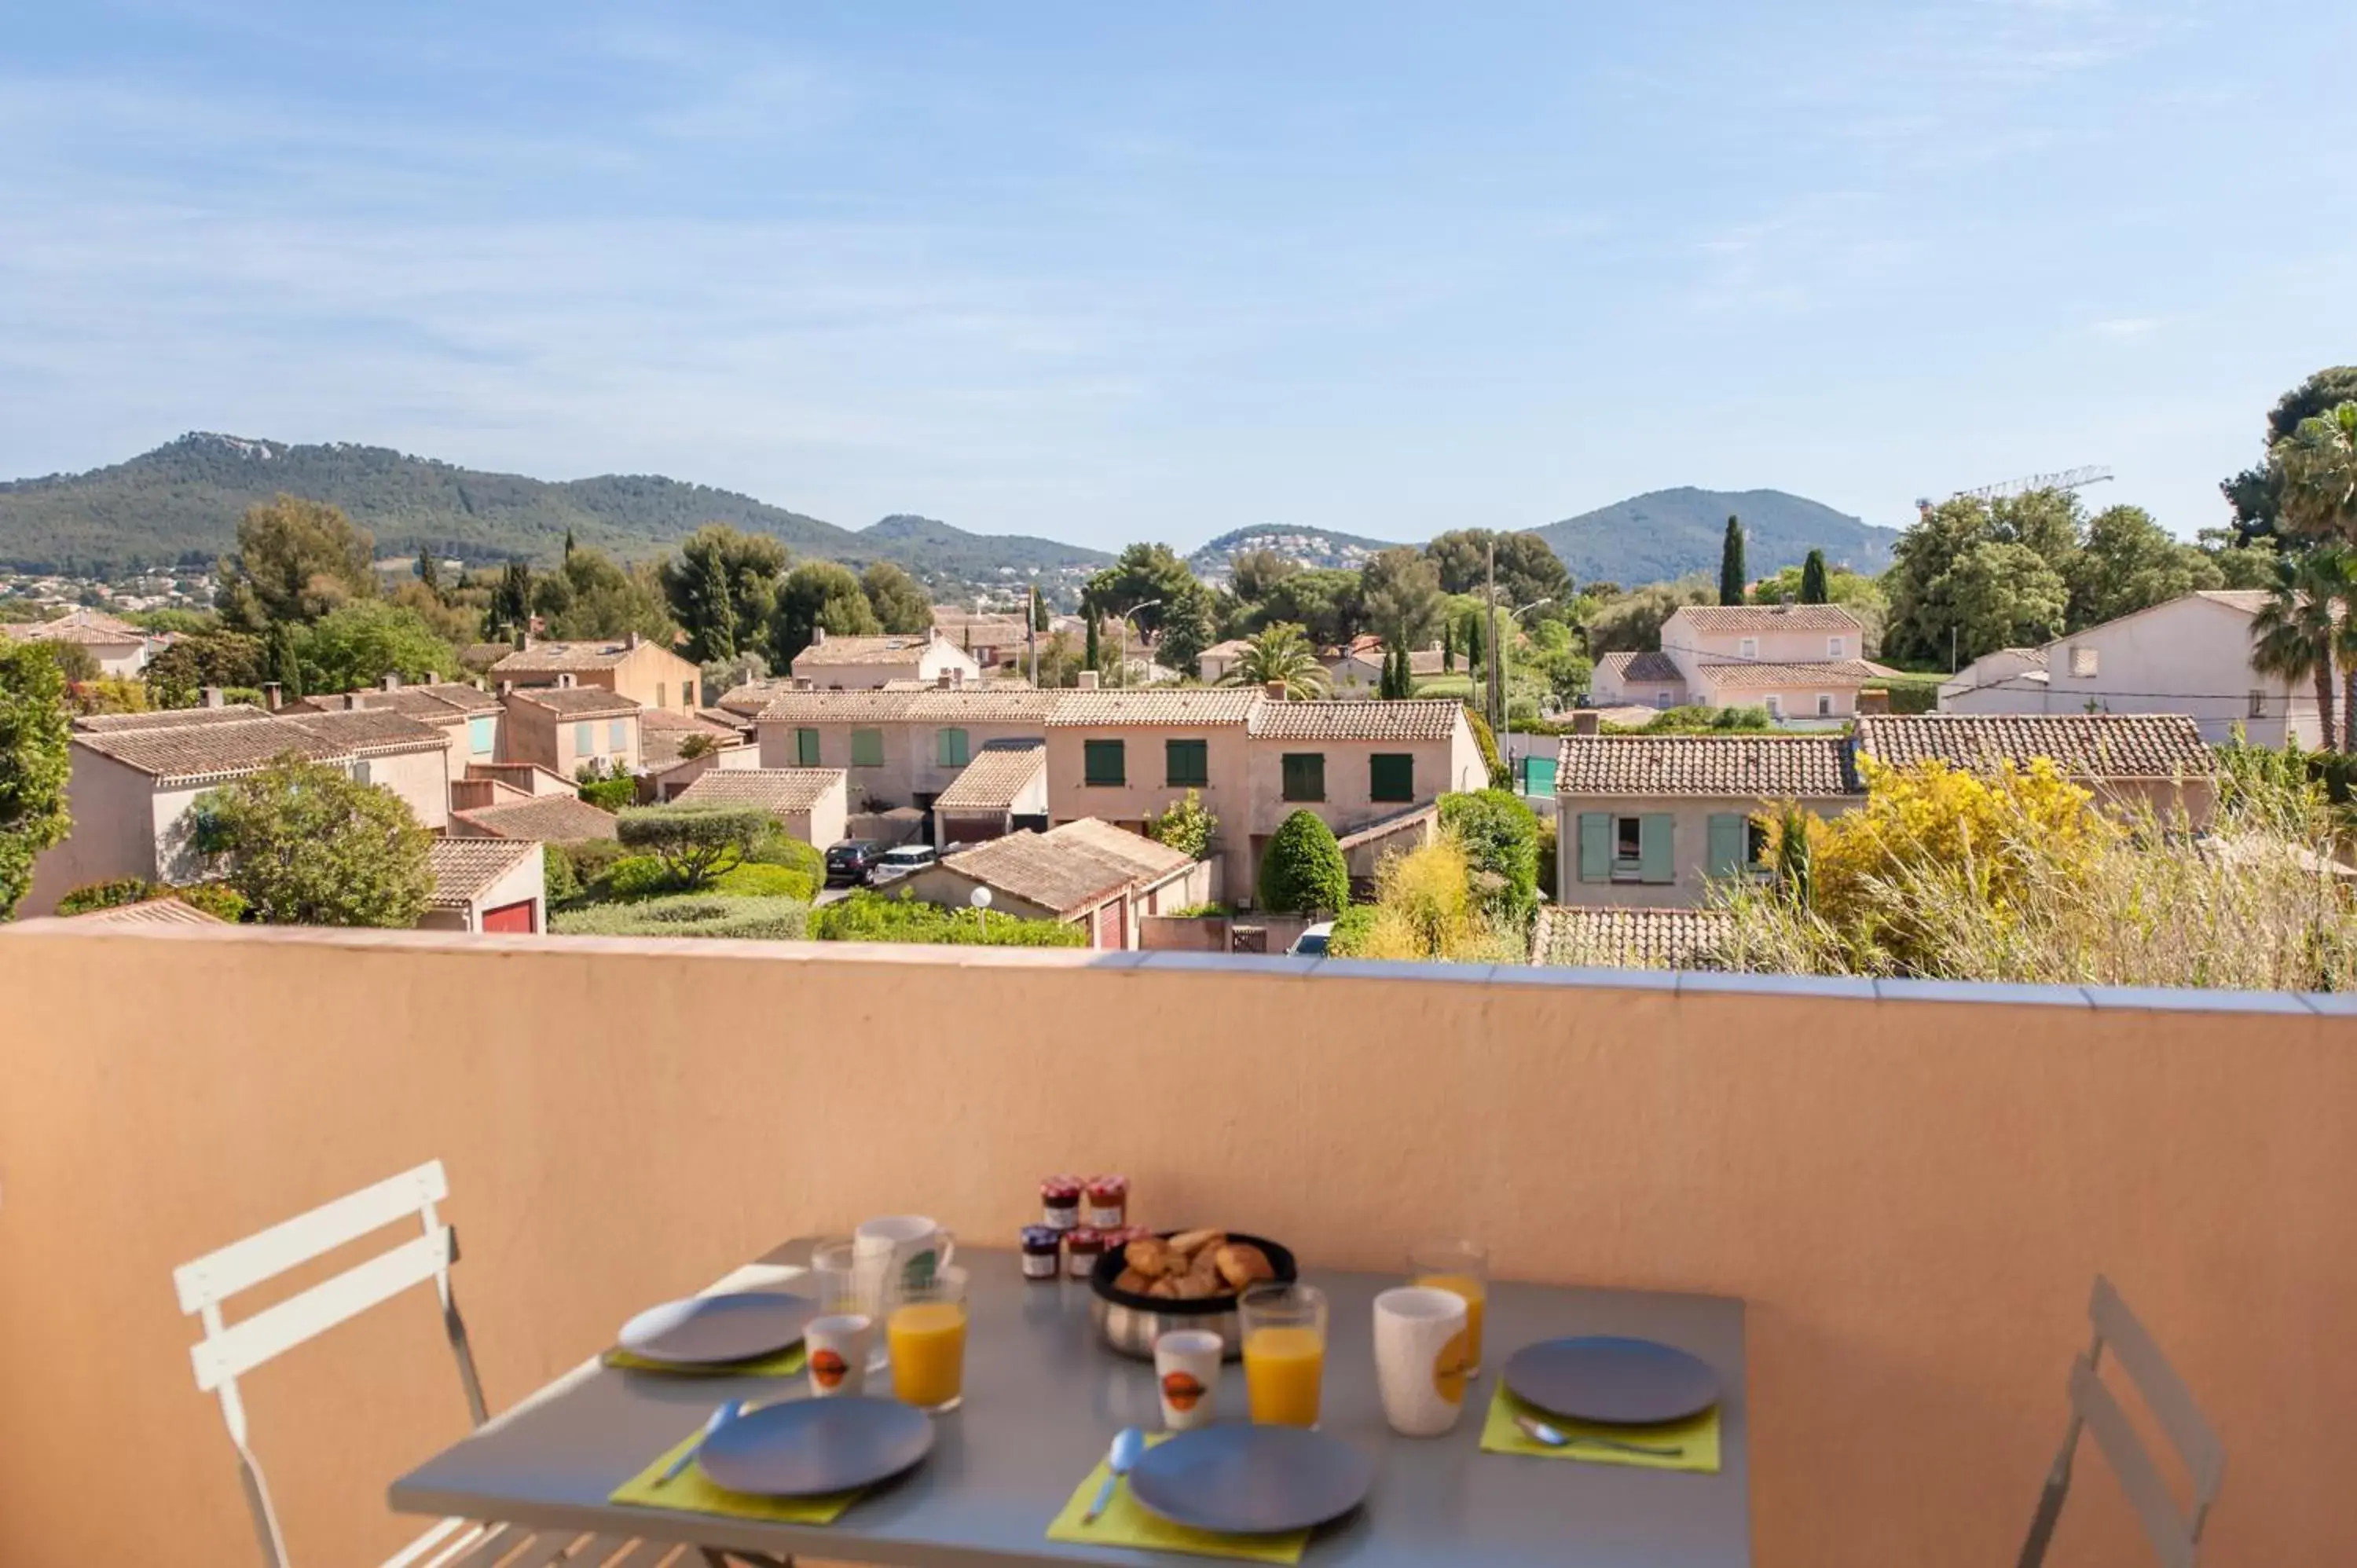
(1285, 1352)
(1461, 1268)
(927, 1330)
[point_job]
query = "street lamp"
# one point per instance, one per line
(1124, 665)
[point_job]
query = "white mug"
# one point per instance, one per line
(1187, 1374)
(1420, 1359)
(836, 1347)
(894, 1253)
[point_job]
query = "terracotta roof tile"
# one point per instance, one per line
(1826, 673)
(1649, 668)
(210, 749)
(1629, 939)
(153, 912)
(959, 704)
(1414, 718)
(863, 650)
(1146, 858)
(1714, 766)
(1721, 618)
(2083, 745)
(576, 701)
(168, 719)
(771, 789)
(463, 868)
(554, 658)
(1186, 707)
(662, 733)
(1062, 875)
(553, 818)
(995, 777)
(369, 732)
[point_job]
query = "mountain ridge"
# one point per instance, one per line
(1665, 534)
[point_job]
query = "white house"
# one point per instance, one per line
(117, 647)
(865, 663)
(1804, 664)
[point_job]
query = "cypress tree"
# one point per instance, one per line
(1448, 647)
(1039, 611)
(1813, 578)
(429, 570)
(1473, 641)
(1089, 653)
(568, 544)
(1732, 577)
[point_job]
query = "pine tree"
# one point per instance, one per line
(1813, 578)
(1090, 654)
(1448, 647)
(1732, 578)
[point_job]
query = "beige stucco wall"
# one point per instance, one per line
(113, 833)
(1911, 1196)
(422, 779)
(1608, 690)
(1792, 701)
(1684, 643)
(1146, 793)
(532, 734)
(2190, 656)
(911, 765)
(1690, 845)
(1441, 766)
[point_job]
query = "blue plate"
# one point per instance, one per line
(808, 1448)
(1251, 1480)
(713, 1330)
(1612, 1381)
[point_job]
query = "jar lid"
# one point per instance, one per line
(1109, 1183)
(1083, 1240)
(1060, 1186)
(1041, 1238)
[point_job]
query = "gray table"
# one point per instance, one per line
(1043, 1399)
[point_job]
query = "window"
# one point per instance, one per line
(1751, 648)
(618, 737)
(481, 732)
(1104, 762)
(1186, 762)
(2086, 663)
(1775, 706)
(1391, 776)
(686, 696)
(1836, 648)
(868, 748)
(1824, 704)
(1305, 775)
(1662, 700)
(1628, 849)
(948, 747)
(2258, 705)
(584, 741)
(806, 748)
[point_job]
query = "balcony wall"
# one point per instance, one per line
(1913, 1195)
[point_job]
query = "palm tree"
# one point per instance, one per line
(1281, 653)
(2318, 466)
(2293, 636)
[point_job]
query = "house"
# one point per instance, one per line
(1003, 789)
(1087, 874)
(810, 804)
(486, 884)
(995, 640)
(119, 647)
(664, 739)
(650, 674)
(864, 663)
(1211, 666)
(2128, 761)
(566, 727)
(1629, 939)
(902, 749)
(1356, 668)
(1804, 664)
(1646, 821)
(550, 819)
(2189, 655)
(467, 716)
(133, 780)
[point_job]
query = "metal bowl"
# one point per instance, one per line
(1131, 1323)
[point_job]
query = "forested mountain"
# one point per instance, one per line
(1312, 547)
(1669, 533)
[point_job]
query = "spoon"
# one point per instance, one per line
(1540, 1431)
(720, 1418)
(1128, 1447)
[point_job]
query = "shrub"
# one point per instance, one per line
(215, 899)
(777, 847)
(1197, 911)
(1424, 908)
(1488, 743)
(696, 844)
(592, 859)
(309, 846)
(1353, 928)
(606, 786)
(751, 880)
(636, 876)
(109, 895)
(875, 917)
(1550, 876)
(689, 915)
(1186, 826)
(1302, 871)
(556, 871)
(1500, 837)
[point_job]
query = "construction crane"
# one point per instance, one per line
(2066, 479)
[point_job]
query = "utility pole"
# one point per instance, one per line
(1494, 689)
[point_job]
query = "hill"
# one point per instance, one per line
(181, 502)
(1315, 547)
(1669, 533)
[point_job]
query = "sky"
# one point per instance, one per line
(1107, 272)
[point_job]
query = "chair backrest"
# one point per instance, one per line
(228, 1350)
(2175, 1534)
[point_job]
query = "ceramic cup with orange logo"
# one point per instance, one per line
(838, 1348)
(1421, 1359)
(1186, 1368)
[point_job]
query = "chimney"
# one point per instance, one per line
(507, 687)
(631, 640)
(1276, 690)
(818, 635)
(392, 682)
(1584, 719)
(434, 677)
(1088, 681)
(564, 679)
(272, 694)
(213, 697)
(352, 701)
(522, 639)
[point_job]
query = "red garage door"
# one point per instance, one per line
(509, 918)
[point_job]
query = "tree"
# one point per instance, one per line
(2292, 635)
(1302, 871)
(2003, 596)
(1732, 578)
(568, 544)
(819, 595)
(1189, 625)
(1150, 575)
(2317, 488)
(1093, 656)
(36, 756)
(1401, 591)
(1528, 569)
(591, 596)
(1813, 578)
(284, 661)
(2129, 563)
(1186, 826)
(1061, 660)
(1038, 610)
(723, 588)
(721, 676)
(696, 844)
(510, 607)
(361, 644)
(2255, 494)
(1928, 569)
(308, 845)
(1279, 655)
(1448, 646)
(177, 676)
(1474, 639)
(296, 560)
(1253, 573)
(1326, 603)
(900, 606)
(1501, 839)
(429, 570)
(1632, 623)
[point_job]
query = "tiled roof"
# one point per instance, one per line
(369, 732)
(88, 627)
(2032, 656)
(441, 701)
(168, 719)
(1184, 705)
(747, 700)
(1389, 826)
(996, 776)
(1062, 875)
(553, 658)
(1146, 858)
(1651, 668)
(576, 701)
(153, 912)
(2083, 745)
(1767, 617)
(1414, 718)
(210, 749)
(771, 789)
(463, 868)
(662, 733)
(934, 704)
(1829, 672)
(1629, 939)
(2250, 601)
(553, 818)
(1426, 661)
(863, 651)
(1714, 766)
(978, 631)
(1228, 650)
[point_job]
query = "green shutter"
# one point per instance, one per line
(868, 748)
(1186, 762)
(1727, 843)
(481, 733)
(806, 748)
(1104, 762)
(1391, 776)
(1305, 775)
(951, 747)
(618, 736)
(1656, 847)
(1538, 776)
(1595, 846)
(583, 745)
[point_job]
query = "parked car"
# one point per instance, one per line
(1311, 942)
(853, 862)
(902, 859)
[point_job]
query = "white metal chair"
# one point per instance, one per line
(228, 1350)
(2176, 1536)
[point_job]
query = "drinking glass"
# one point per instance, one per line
(1285, 1352)
(838, 1287)
(927, 1330)
(1461, 1268)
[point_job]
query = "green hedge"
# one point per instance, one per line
(1350, 929)
(1302, 870)
(875, 917)
(214, 898)
(779, 847)
(689, 915)
(611, 794)
(756, 881)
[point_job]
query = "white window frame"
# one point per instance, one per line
(1837, 648)
(1748, 648)
(1824, 704)
(1775, 707)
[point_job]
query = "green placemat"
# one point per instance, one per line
(689, 1492)
(782, 1363)
(1125, 1523)
(1698, 1437)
